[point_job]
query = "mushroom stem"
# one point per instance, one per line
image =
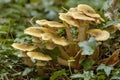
(82, 33)
(63, 53)
(64, 62)
(69, 35)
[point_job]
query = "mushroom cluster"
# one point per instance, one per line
(75, 25)
(28, 54)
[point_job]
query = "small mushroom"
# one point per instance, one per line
(117, 26)
(99, 35)
(60, 41)
(23, 47)
(39, 56)
(112, 29)
(49, 23)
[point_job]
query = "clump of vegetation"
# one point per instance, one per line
(72, 42)
(16, 15)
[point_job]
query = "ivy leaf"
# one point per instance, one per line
(27, 71)
(116, 75)
(57, 74)
(88, 47)
(87, 64)
(107, 69)
(87, 75)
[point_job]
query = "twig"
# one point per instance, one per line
(78, 53)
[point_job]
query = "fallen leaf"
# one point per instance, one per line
(113, 59)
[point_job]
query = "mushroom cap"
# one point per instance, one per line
(117, 26)
(60, 41)
(41, 22)
(112, 29)
(99, 35)
(90, 12)
(23, 47)
(73, 12)
(68, 19)
(49, 23)
(34, 31)
(87, 10)
(80, 16)
(39, 56)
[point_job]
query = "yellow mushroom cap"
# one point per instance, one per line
(34, 31)
(39, 56)
(99, 35)
(87, 10)
(73, 12)
(112, 29)
(68, 19)
(41, 22)
(117, 26)
(23, 47)
(60, 41)
(49, 23)
(90, 12)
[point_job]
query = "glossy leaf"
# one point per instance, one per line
(107, 69)
(88, 47)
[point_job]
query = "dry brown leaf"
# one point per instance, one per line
(113, 59)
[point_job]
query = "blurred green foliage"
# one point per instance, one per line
(15, 16)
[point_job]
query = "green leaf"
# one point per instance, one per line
(107, 69)
(88, 47)
(116, 75)
(26, 71)
(57, 74)
(71, 59)
(106, 5)
(87, 75)
(110, 23)
(87, 63)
